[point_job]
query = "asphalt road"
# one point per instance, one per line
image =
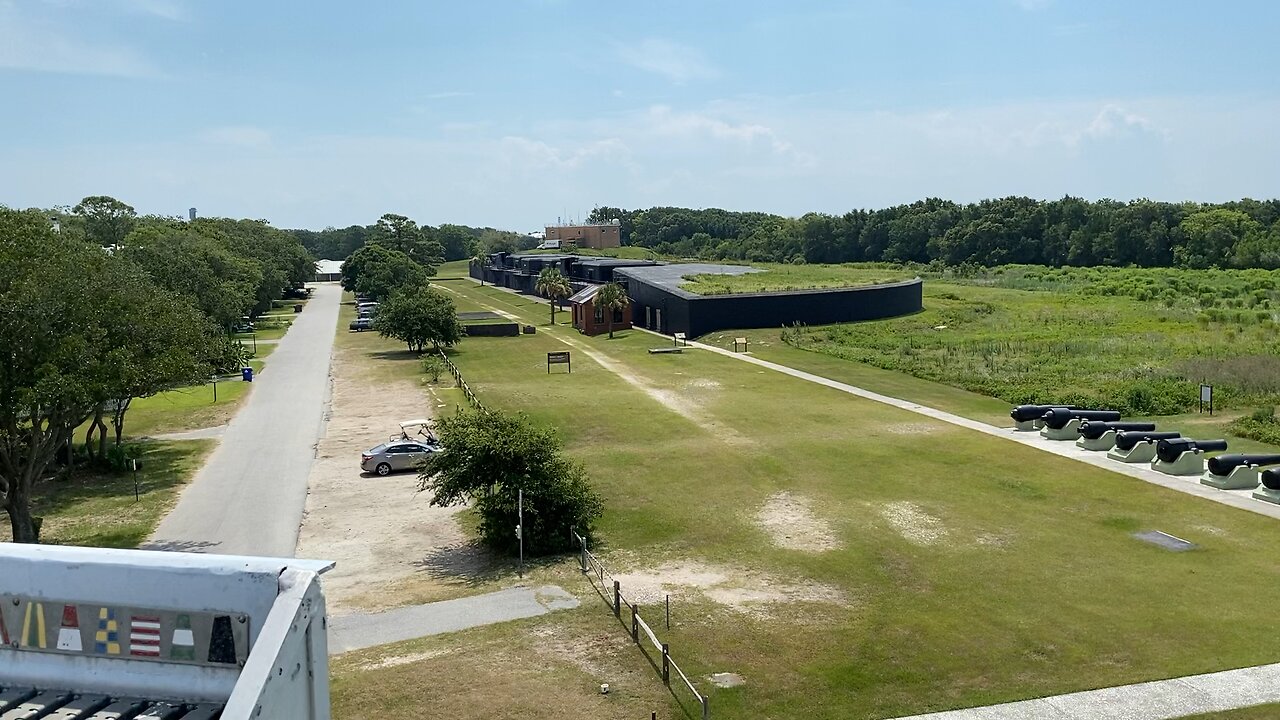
(249, 496)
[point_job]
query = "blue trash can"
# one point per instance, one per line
(246, 374)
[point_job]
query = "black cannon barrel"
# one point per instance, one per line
(1057, 418)
(1169, 450)
(1224, 464)
(1127, 440)
(1023, 413)
(1271, 479)
(1094, 429)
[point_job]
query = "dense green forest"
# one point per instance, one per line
(1070, 231)
(458, 241)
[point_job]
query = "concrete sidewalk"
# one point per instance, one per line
(355, 632)
(1159, 700)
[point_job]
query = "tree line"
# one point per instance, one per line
(456, 242)
(100, 306)
(1066, 232)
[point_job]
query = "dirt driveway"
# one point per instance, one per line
(391, 546)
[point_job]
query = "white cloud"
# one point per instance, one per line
(676, 62)
(237, 136)
(27, 44)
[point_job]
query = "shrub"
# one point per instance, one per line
(488, 458)
(432, 367)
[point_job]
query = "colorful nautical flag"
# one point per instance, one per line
(33, 626)
(184, 643)
(144, 635)
(69, 633)
(222, 643)
(107, 639)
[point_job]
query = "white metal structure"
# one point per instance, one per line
(87, 629)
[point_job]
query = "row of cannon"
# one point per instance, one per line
(1167, 452)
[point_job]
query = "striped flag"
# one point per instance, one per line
(144, 635)
(33, 626)
(69, 633)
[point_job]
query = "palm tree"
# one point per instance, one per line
(612, 298)
(483, 261)
(554, 286)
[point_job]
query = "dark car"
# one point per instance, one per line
(361, 324)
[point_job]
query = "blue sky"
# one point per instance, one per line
(511, 114)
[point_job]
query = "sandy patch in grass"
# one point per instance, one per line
(396, 660)
(741, 590)
(914, 524)
(791, 523)
(704, 384)
(380, 530)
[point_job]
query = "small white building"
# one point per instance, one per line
(328, 271)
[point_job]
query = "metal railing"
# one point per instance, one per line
(610, 590)
(467, 392)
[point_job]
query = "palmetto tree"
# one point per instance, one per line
(612, 298)
(483, 261)
(553, 285)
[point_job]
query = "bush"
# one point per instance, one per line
(488, 458)
(432, 367)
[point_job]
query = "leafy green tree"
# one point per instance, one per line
(612, 298)
(107, 221)
(488, 458)
(554, 286)
(221, 283)
(1212, 235)
(417, 315)
(75, 333)
(456, 241)
(377, 271)
(397, 232)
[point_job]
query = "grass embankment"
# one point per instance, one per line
(1259, 712)
(99, 509)
(774, 277)
(952, 569)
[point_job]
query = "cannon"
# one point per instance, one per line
(1094, 429)
(1028, 417)
(1101, 434)
(1184, 456)
(1064, 423)
(1270, 490)
(1134, 446)
(1236, 471)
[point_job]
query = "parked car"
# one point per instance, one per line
(244, 325)
(361, 324)
(396, 456)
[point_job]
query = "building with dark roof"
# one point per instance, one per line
(659, 303)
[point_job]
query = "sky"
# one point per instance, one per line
(515, 114)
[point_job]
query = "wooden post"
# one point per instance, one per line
(666, 664)
(617, 599)
(706, 711)
(635, 624)
(668, 611)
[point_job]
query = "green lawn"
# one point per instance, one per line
(775, 277)
(99, 509)
(966, 570)
(1258, 712)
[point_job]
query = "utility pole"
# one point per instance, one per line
(520, 527)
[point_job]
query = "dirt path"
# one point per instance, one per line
(382, 532)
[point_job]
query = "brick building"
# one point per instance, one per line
(591, 319)
(595, 236)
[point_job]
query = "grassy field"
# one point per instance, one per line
(944, 568)
(775, 277)
(1093, 349)
(1260, 712)
(99, 509)
(189, 408)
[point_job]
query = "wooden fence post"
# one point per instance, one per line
(706, 710)
(666, 664)
(635, 625)
(617, 599)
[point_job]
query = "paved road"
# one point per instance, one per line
(354, 632)
(248, 498)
